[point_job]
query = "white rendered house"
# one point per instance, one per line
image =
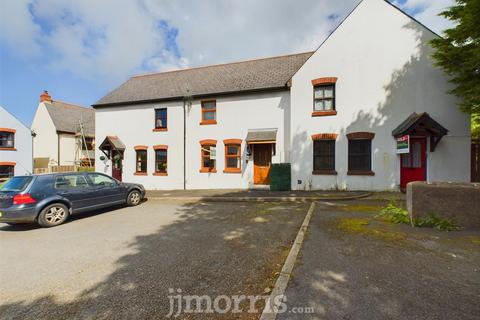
(15, 146)
(64, 134)
(367, 110)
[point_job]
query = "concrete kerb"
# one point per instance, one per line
(270, 310)
(262, 199)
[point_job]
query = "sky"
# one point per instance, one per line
(79, 50)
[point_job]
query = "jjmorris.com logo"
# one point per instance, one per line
(182, 304)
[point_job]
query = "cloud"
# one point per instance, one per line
(111, 39)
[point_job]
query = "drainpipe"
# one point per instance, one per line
(184, 144)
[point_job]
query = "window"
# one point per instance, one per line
(7, 170)
(209, 112)
(414, 158)
(360, 153)
(87, 144)
(141, 161)
(233, 152)
(160, 119)
(7, 138)
(16, 184)
(161, 160)
(98, 179)
(209, 155)
(70, 181)
(324, 97)
(324, 157)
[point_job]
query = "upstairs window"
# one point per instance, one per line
(160, 119)
(233, 155)
(360, 153)
(324, 98)
(140, 160)
(161, 160)
(7, 138)
(209, 112)
(209, 155)
(87, 144)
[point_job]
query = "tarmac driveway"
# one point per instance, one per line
(122, 263)
(353, 266)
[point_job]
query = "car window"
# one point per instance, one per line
(16, 184)
(70, 181)
(101, 180)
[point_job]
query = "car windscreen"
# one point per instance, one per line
(16, 184)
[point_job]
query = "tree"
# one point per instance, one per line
(458, 53)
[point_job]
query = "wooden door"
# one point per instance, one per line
(413, 165)
(117, 167)
(262, 162)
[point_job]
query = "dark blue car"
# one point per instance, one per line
(49, 199)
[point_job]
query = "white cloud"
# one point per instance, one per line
(110, 39)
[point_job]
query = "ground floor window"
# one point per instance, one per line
(360, 153)
(161, 160)
(209, 155)
(324, 156)
(233, 155)
(141, 161)
(7, 171)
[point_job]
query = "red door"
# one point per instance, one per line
(413, 165)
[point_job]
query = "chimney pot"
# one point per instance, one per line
(45, 97)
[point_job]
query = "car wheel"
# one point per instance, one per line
(134, 198)
(53, 215)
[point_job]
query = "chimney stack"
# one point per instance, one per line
(45, 97)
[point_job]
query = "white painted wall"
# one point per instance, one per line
(235, 115)
(382, 61)
(68, 146)
(22, 155)
(45, 144)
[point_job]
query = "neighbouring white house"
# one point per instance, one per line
(15, 146)
(367, 110)
(64, 134)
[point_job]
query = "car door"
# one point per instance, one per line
(108, 191)
(76, 189)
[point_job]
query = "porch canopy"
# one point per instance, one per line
(422, 125)
(261, 136)
(111, 144)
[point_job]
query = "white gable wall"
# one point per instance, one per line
(22, 155)
(45, 144)
(382, 61)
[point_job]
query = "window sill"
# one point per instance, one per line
(160, 129)
(232, 170)
(208, 170)
(140, 174)
(8, 149)
(325, 172)
(324, 113)
(360, 173)
(207, 122)
(160, 174)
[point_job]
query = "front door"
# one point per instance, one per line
(117, 166)
(262, 162)
(413, 164)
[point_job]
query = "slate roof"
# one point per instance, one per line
(66, 117)
(260, 74)
(416, 120)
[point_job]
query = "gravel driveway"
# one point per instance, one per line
(121, 263)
